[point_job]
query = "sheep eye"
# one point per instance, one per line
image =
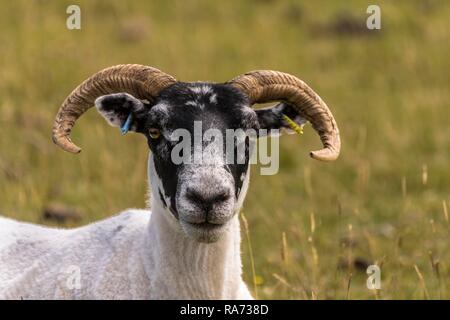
(154, 133)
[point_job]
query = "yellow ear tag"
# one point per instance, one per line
(298, 129)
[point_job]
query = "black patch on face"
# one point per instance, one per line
(239, 169)
(221, 107)
(161, 197)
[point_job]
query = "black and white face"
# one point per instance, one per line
(202, 194)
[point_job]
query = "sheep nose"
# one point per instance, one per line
(207, 201)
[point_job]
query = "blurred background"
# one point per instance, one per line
(314, 227)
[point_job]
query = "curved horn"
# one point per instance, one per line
(143, 82)
(266, 85)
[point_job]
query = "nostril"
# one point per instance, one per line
(222, 197)
(207, 202)
(194, 195)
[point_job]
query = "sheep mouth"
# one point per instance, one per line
(203, 232)
(206, 225)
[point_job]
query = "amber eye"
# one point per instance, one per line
(154, 133)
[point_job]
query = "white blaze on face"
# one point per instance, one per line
(203, 89)
(213, 98)
(207, 177)
(207, 182)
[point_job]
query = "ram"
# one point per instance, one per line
(188, 246)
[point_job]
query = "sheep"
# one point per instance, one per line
(188, 245)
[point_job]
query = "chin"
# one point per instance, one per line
(204, 232)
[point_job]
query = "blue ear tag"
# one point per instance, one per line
(126, 126)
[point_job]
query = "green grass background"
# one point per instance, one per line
(381, 202)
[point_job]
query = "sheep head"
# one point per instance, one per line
(202, 196)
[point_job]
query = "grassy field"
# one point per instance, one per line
(313, 227)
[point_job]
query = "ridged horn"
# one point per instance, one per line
(265, 86)
(143, 82)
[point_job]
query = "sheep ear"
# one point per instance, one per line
(122, 110)
(282, 117)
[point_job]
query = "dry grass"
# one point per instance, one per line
(388, 91)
